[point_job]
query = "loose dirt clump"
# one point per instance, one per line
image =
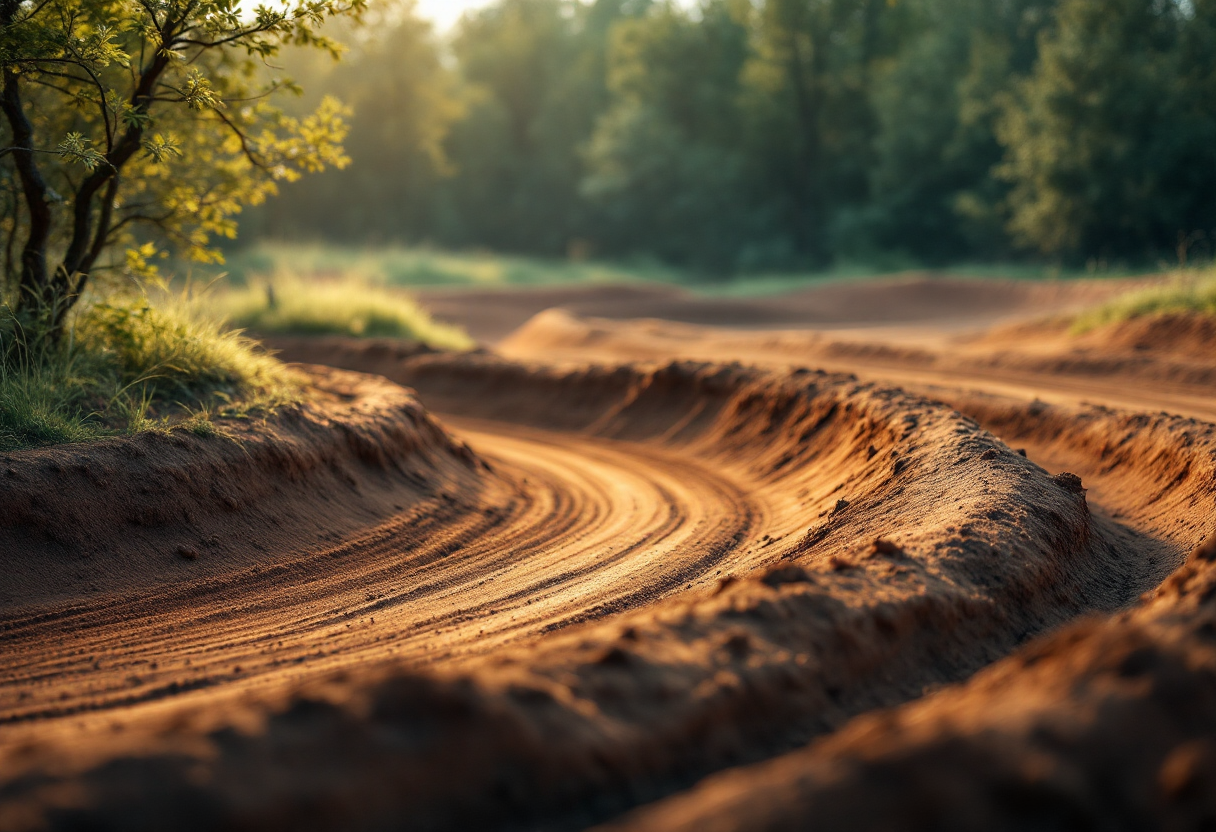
(1109, 723)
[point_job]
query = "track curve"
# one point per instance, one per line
(590, 527)
(771, 554)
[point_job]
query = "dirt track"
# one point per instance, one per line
(665, 571)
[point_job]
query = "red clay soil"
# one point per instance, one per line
(659, 595)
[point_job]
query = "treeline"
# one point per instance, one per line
(763, 134)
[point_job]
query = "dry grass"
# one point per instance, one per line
(1188, 291)
(129, 366)
(288, 305)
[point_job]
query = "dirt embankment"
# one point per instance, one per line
(879, 545)
(1136, 364)
(80, 523)
(1107, 724)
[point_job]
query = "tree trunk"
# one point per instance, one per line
(34, 289)
(807, 196)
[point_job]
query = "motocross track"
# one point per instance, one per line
(616, 578)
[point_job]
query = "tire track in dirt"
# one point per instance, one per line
(932, 550)
(591, 528)
(1047, 405)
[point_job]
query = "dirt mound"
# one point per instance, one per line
(126, 514)
(1108, 724)
(1036, 358)
(877, 545)
(1187, 335)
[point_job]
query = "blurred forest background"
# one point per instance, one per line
(742, 136)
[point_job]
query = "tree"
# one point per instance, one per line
(1111, 143)
(814, 64)
(535, 77)
(667, 168)
(138, 123)
(934, 193)
(404, 101)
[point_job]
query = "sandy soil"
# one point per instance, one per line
(912, 300)
(954, 579)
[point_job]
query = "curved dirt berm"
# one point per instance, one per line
(882, 545)
(127, 514)
(1107, 724)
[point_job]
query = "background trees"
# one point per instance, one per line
(1111, 142)
(735, 135)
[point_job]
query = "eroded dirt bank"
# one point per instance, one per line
(666, 571)
(125, 515)
(1107, 724)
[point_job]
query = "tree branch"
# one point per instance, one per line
(124, 149)
(245, 148)
(35, 12)
(105, 110)
(4, 151)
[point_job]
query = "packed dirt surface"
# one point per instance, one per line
(621, 578)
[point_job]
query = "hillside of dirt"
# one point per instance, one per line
(643, 573)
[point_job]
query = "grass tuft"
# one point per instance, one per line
(1189, 291)
(128, 366)
(291, 306)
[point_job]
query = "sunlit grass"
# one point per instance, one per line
(421, 267)
(409, 267)
(1187, 291)
(128, 366)
(292, 306)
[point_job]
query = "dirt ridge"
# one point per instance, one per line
(852, 600)
(1105, 724)
(132, 512)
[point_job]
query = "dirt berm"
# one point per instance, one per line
(875, 545)
(126, 515)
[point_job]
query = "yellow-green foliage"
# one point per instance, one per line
(349, 307)
(129, 366)
(1191, 291)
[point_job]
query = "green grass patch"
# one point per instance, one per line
(417, 267)
(420, 267)
(1188, 291)
(292, 306)
(128, 366)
